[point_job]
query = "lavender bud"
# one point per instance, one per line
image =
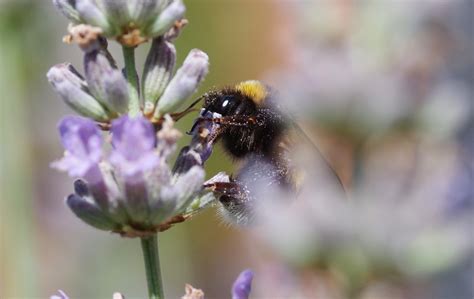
(200, 148)
(80, 188)
(117, 11)
(66, 7)
(90, 213)
(167, 18)
(186, 159)
(73, 90)
(91, 14)
(99, 194)
(242, 285)
(175, 196)
(188, 185)
(144, 11)
(158, 69)
(184, 83)
(105, 82)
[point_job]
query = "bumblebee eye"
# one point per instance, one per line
(225, 103)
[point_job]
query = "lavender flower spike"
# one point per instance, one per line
(184, 83)
(242, 285)
(72, 88)
(82, 141)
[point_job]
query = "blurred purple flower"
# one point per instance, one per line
(242, 285)
(82, 141)
(134, 143)
(61, 295)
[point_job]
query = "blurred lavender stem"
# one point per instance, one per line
(132, 79)
(152, 266)
(357, 165)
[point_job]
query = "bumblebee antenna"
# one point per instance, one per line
(177, 116)
(194, 103)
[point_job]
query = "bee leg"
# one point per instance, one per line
(235, 200)
(225, 188)
(232, 194)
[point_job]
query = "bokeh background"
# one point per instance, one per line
(393, 69)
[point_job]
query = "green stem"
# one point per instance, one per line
(152, 265)
(132, 78)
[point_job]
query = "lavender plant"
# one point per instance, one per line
(124, 183)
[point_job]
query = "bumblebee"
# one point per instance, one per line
(252, 128)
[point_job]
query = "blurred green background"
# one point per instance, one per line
(44, 247)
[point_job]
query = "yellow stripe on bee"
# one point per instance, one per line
(253, 89)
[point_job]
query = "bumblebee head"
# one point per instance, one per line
(243, 98)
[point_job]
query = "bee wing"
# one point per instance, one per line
(314, 160)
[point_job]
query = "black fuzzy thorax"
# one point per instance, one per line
(258, 138)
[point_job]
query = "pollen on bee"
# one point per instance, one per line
(203, 133)
(253, 89)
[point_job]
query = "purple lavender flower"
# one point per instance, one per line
(134, 143)
(83, 143)
(242, 285)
